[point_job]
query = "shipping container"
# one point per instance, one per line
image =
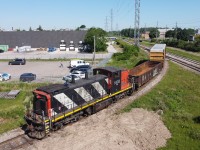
(144, 72)
(157, 52)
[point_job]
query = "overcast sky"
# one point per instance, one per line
(56, 14)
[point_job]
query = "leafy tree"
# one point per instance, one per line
(197, 38)
(153, 33)
(30, 29)
(82, 26)
(169, 34)
(129, 32)
(99, 38)
(40, 28)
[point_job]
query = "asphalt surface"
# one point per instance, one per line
(47, 71)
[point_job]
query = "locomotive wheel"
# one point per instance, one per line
(40, 134)
(89, 111)
(31, 134)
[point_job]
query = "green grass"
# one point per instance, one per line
(12, 110)
(178, 95)
(129, 63)
(148, 44)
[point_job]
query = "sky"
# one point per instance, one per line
(70, 14)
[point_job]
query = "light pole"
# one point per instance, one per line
(94, 52)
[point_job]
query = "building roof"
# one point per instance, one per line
(158, 48)
(38, 39)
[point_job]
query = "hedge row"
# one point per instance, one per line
(188, 46)
(128, 51)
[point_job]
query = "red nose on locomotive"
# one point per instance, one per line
(59, 104)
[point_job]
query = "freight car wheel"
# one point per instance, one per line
(130, 92)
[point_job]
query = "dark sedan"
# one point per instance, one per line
(79, 67)
(17, 61)
(1, 51)
(27, 77)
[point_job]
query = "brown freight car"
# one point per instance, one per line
(144, 72)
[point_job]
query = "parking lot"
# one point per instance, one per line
(48, 71)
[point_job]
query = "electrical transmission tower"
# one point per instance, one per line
(106, 24)
(111, 20)
(137, 23)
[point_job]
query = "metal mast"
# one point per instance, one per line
(137, 23)
(111, 20)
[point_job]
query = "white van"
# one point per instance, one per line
(77, 62)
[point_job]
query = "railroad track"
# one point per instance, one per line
(18, 142)
(187, 64)
(185, 59)
(192, 64)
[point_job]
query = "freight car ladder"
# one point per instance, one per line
(47, 126)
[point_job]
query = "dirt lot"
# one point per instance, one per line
(44, 70)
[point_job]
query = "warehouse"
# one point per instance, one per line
(37, 39)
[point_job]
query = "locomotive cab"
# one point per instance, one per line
(36, 118)
(40, 105)
(118, 79)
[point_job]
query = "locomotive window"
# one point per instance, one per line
(116, 75)
(39, 105)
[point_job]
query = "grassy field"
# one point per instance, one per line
(178, 95)
(12, 110)
(183, 54)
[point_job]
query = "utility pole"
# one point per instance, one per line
(165, 32)
(175, 35)
(157, 32)
(94, 52)
(106, 24)
(111, 20)
(137, 23)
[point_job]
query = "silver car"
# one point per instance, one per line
(68, 78)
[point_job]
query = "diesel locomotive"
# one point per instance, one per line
(59, 104)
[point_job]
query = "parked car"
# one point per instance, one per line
(17, 61)
(68, 78)
(5, 76)
(27, 77)
(77, 62)
(89, 71)
(79, 67)
(1, 51)
(80, 74)
(51, 49)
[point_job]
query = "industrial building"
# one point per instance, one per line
(37, 39)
